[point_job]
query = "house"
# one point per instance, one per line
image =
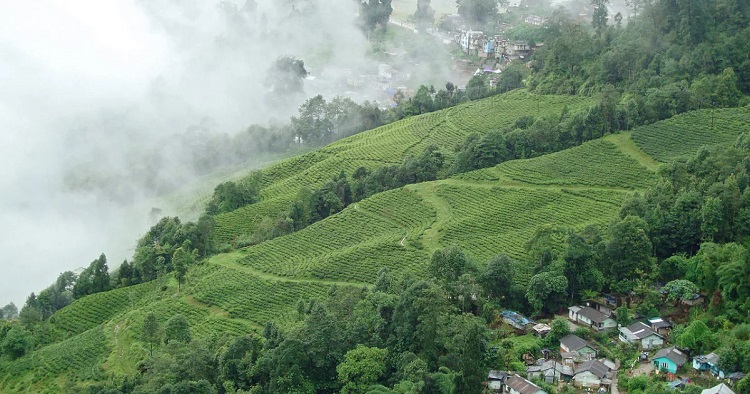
(488, 48)
(575, 344)
(660, 326)
(708, 362)
(735, 377)
(469, 40)
(718, 389)
(591, 317)
(642, 335)
(541, 329)
(518, 385)
(592, 374)
(549, 371)
(516, 320)
(669, 359)
(496, 381)
(534, 20)
(696, 299)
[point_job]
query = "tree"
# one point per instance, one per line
(181, 259)
(362, 367)
(600, 16)
(285, 78)
(10, 311)
(17, 342)
(419, 321)
(547, 291)
(313, 124)
(177, 329)
(447, 265)
(559, 328)
(150, 331)
(698, 337)
(93, 279)
(580, 266)
(477, 11)
(497, 279)
(680, 290)
(628, 250)
(472, 354)
(425, 14)
(374, 13)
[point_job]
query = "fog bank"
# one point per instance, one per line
(87, 87)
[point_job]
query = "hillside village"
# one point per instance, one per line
(643, 347)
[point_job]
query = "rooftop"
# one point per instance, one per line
(718, 389)
(574, 342)
(596, 367)
(638, 331)
(592, 314)
(522, 385)
(672, 354)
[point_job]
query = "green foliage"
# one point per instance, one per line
(374, 13)
(447, 265)
(16, 343)
(150, 331)
(285, 77)
(547, 291)
(231, 195)
(177, 329)
(362, 367)
(680, 290)
(697, 337)
(93, 279)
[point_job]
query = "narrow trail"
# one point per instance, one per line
(626, 145)
(443, 214)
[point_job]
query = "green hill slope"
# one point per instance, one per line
(485, 212)
(385, 146)
(680, 137)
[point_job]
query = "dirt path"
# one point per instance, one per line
(627, 146)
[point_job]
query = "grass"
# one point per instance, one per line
(680, 137)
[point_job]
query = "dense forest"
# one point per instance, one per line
(685, 236)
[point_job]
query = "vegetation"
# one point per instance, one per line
(380, 262)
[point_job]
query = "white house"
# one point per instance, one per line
(591, 317)
(718, 389)
(592, 374)
(640, 334)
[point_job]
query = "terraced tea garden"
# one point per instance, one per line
(384, 146)
(680, 137)
(598, 163)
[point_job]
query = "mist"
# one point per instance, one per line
(90, 90)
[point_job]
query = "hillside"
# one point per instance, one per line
(387, 145)
(680, 137)
(485, 212)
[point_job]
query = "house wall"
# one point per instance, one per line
(663, 363)
(586, 379)
(651, 342)
(587, 350)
